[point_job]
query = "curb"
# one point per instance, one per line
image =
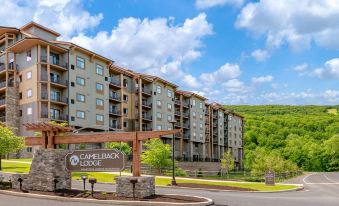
(107, 202)
(217, 190)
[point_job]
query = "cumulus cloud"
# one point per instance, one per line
(65, 16)
(155, 46)
(190, 81)
(226, 72)
(301, 68)
(262, 79)
(260, 55)
(330, 70)
(296, 23)
(205, 4)
(234, 85)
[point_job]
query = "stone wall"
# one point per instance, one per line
(144, 187)
(12, 108)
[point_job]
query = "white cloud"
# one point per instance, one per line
(224, 73)
(262, 79)
(296, 23)
(65, 16)
(235, 85)
(330, 70)
(260, 55)
(301, 68)
(155, 46)
(190, 81)
(205, 4)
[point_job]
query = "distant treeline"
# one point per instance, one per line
(306, 136)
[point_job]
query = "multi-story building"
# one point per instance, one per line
(43, 79)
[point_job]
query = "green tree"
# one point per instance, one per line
(9, 142)
(122, 146)
(226, 162)
(331, 153)
(157, 154)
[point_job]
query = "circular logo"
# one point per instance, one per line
(74, 160)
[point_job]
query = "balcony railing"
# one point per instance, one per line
(10, 66)
(186, 104)
(145, 90)
(44, 115)
(186, 125)
(59, 117)
(2, 84)
(147, 117)
(115, 82)
(43, 59)
(115, 126)
(177, 113)
(146, 128)
(2, 67)
(177, 124)
(59, 63)
(114, 111)
(2, 101)
(186, 135)
(59, 99)
(2, 119)
(59, 81)
(177, 102)
(115, 96)
(186, 115)
(44, 77)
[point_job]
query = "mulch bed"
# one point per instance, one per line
(217, 187)
(112, 196)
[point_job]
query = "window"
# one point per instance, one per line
(193, 102)
(29, 110)
(200, 136)
(159, 127)
(55, 113)
(159, 89)
(55, 95)
(158, 103)
(80, 97)
(169, 93)
(194, 134)
(200, 116)
(80, 81)
(159, 115)
(99, 87)
(29, 55)
(100, 102)
(230, 117)
(100, 117)
(80, 114)
(200, 125)
(125, 124)
(194, 114)
(169, 106)
(29, 93)
(80, 63)
(125, 83)
(125, 97)
(169, 117)
(194, 125)
(200, 105)
(125, 111)
(29, 75)
(99, 70)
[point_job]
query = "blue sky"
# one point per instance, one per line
(231, 51)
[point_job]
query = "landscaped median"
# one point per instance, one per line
(22, 166)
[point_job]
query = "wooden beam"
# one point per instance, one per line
(156, 134)
(95, 138)
(33, 141)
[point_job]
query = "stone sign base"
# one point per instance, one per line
(144, 186)
(47, 165)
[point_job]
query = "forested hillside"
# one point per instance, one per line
(306, 135)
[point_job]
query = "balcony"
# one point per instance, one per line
(177, 124)
(44, 96)
(147, 117)
(43, 59)
(59, 82)
(145, 104)
(186, 135)
(2, 102)
(59, 99)
(186, 115)
(44, 77)
(186, 125)
(207, 113)
(59, 117)
(115, 97)
(10, 67)
(177, 113)
(114, 126)
(2, 67)
(147, 129)
(115, 82)
(177, 102)
(2, 84)
(115, 112)
(186, 104)
(145, 91)
(215, 116)
(58, 64)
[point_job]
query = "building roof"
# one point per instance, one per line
(29, 42)
(5, 29)
(155, 78)
(32, 23)
(188, 93)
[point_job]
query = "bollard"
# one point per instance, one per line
(20, 180)
(84, 178)
(92, 181)
(134, 181)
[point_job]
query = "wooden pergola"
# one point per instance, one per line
(52, 135)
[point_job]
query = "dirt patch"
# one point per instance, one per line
(216, 187)
(112, 196)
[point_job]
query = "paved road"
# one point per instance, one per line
(320, 189)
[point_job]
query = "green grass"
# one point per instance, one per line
(21, 160)
(109, 178)
(332, 111)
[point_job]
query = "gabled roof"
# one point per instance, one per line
(5, 29)
(155, 78)
(32, 23)
(188, 93)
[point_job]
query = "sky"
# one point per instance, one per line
(230, 51)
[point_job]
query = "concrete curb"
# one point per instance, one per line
(107, 202)
(301, 187)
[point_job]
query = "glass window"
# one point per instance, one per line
(159, 115)
(125, 124)
(125, 97)
(80, 63)
(194, 134)
(169, 106)
(194, 124)
(200, 105)
(80, 97)
(159, 89)
(125, 111)
(200, 136)
(29, 75)
(200, 116)
(194, 114)
(169, 117)
(100, 102)
(159, 127)
(159, 103)
(200, 125)
(193, 102)
(80, 81)
(99, 70)
(80, 114)
(100, 117)
(29, 110)
(169, 93)
(29, 93)
(99, 87)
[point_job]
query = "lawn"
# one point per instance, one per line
(160, 181)
(21, 160)
(332, 111)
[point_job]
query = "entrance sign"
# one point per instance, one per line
(101, 160)
(270, 178)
